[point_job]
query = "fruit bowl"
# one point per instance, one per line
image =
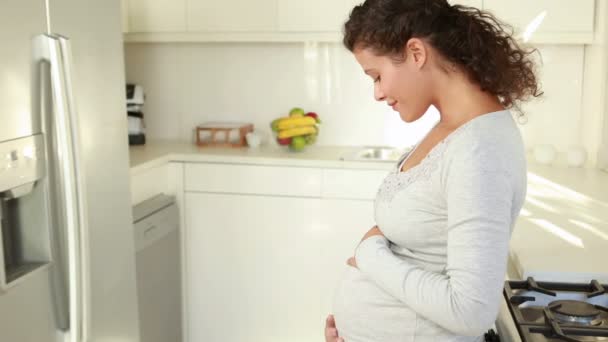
(297, 130)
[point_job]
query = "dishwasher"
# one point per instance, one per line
(158, 268)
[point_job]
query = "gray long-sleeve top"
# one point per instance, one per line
(447, 223)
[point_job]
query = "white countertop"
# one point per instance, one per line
(158, 152)
(562, 233)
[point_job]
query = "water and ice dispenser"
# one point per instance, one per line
(24, 212)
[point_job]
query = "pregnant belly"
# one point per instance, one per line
(364, 312)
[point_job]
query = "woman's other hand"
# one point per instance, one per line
(331, 333)
(374, 231)
(352, 262)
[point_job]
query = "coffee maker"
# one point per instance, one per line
(135, 114)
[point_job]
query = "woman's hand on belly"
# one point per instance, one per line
(331, 333)
(372, 232)
(352, 262)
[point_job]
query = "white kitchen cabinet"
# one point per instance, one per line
(547, 21)
(265, 268)
(345, 222)
(232, 15)
(124, 14)
(150, 182)
(352, 184)
(325, 16)
(470, 3)
(560, 21)
(156, 16)
(253, 179)
(314, 15)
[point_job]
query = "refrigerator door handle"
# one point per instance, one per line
(51, 103)
(80, 189)
(68, 174)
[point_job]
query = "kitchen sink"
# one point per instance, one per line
(376, 154)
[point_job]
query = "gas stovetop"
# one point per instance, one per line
(547, 311)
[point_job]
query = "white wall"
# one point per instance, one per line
(556, 117)
(187, 84)
(595, 104)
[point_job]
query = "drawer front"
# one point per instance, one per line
(352, 184)
(253, 179)
(148, 183)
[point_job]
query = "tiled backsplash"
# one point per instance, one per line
(187, 84)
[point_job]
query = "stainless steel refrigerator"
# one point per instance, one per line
(67, 269)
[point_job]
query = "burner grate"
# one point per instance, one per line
(573, 315)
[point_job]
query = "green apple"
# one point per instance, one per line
(298, 143)
(275, 125)
(296, 112)
(311, 138)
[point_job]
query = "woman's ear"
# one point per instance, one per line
(417, 51)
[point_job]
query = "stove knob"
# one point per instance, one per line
(12, 159)
(491, 336)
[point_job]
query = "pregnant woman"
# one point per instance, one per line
(433, 267)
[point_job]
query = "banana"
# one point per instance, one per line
(292, 132)
(293, 122)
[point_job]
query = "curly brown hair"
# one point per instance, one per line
(471, 38)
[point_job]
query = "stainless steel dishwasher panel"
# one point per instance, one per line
(158, 267)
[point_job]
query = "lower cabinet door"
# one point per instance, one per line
(264, 268)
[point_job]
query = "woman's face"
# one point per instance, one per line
(405, 86)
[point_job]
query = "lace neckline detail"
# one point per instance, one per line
(398, 180)
(437, 146)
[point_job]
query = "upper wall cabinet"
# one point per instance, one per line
(325, 16)
(232, 15)
(307, 16)
(156, 16)
(538, 21)
(470, 3)
(124, 10)
(547, 21)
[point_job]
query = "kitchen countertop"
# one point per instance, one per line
(158, 152)
(561, 234)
